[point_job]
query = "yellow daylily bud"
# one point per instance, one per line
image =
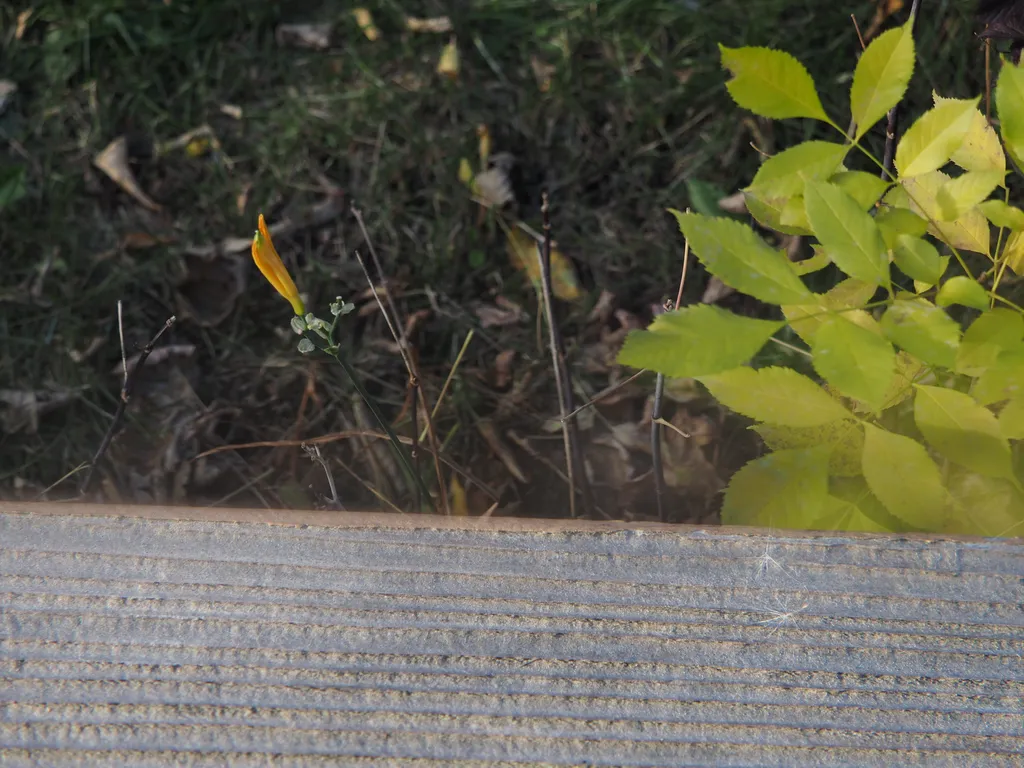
(269, 263)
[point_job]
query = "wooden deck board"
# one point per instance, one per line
(237, 638)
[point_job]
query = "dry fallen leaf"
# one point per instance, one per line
(883, 11)
(157, 356)
(522, 252)
(542, 73)
(25, 406)
(113, 161)
(231, 110)
(438, 24)
(490, 436)
(365, 21)
(503, 368)
(7, 91)
(23, 18)
(448, 64)
(457, 497)
(315, 36)
(492, 316)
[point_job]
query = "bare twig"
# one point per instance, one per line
(349, 434)
(575, 468)
(659, 394)
(419, 400)
(130, 377)
(313, 452)
(893, 125)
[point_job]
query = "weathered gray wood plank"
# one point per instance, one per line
(255, 638)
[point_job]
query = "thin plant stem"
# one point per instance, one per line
(892, 127)
(574, 465)
(658, 464)
(415, 481)
(130, 377)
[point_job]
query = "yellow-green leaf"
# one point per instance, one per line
(806, 318)
(983, 506)
(1010, 105)
(881, 77)
(962, 431)
(785, 174)
(903, 476)
(1003, 215)
(893, 222)
(866, 188)
(775, 395)
(1003, 380)
(919, 259)
(858, 363)
(934, 137)
(696, 340)
(981, 149)
(986, 338)
(848, 233)
(957, 196)
(785, 489)
(968, 232)
(843, 439)
(1013, 253)
(923, 330)
(739, 258)
(964, 291)
(771, 83)
(1011, 420)
(819, 260)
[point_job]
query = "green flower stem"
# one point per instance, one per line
(413, 479)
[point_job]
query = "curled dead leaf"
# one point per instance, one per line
(113, 161)
(437, 24)
(522, 251)
(315, 36)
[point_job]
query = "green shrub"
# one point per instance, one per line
(918, 419)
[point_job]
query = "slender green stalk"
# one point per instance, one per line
(415, 482)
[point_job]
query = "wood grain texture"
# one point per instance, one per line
(246, 638)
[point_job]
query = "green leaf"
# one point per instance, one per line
(843, 515)
(1002, 381)
(934, 137)
(923, 330)
(962, 431)
(919, 259)
(881, 77)
(739, 258)
(1010, 105)
(12, 185)
(866, 188)
(805, 319)
(843, 439)
(984, 506)
(775, 395)
(696, 340)
(848, 233)
(1003, 215)
(893, 222)
(986, 338)
(903, 476)
(1011, 420)
(856, 362)
(785, 489)
(771, 84)
(704, 197)
(962, 290)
